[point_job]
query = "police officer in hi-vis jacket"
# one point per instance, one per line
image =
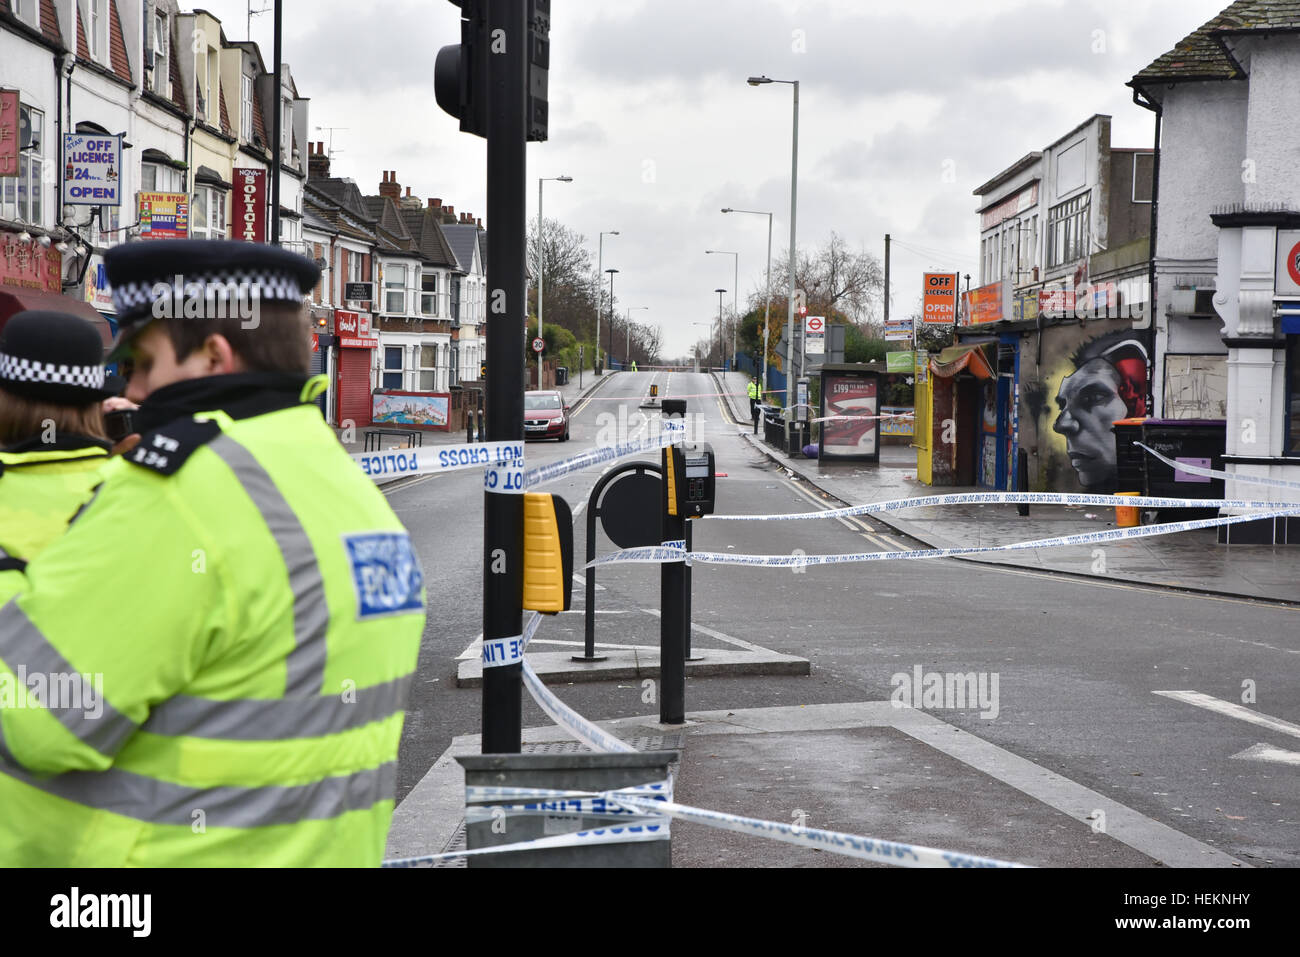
(232, 622)
(52, 440)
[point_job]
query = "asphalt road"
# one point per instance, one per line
(1079, 664)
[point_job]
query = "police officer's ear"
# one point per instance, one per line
(218, 356)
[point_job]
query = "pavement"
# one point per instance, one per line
(1192, 561)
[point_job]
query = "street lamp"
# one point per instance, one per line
(794, 196)
(610, 351)
(720, 292)
(627, 354)
(736, 285)
(767, 296)
(600, 290)
(541, 260)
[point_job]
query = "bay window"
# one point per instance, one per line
(428, 293)
(428, 368)
(208, 213)
(392, 377)
(21, 195)
(394, 289)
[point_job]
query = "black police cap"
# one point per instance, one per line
(188, 277)
(53, 357)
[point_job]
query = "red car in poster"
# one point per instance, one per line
(850, 396)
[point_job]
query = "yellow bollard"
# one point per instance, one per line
(1126, 516)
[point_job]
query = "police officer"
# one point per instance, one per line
(52, 440)
(236, 615)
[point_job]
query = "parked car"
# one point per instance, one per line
(545, 416)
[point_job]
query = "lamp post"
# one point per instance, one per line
(767, 295)
(794, 197)
(627, 354)
(610, 351)
(734, 287)
(600, 289)
(541, 260)
(720, 353)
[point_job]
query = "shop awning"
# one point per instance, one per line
(20, 300)
(966, 358)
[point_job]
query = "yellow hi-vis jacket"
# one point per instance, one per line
(215, 658)
(753, 390)
(41, 487)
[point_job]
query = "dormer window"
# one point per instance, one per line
(95, 24)
(29, 12)
(246, 108)
(161, 83)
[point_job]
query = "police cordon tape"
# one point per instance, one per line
(837, 842)
(864, 418)
(657, 554)
(1219, 473)
(629, 834)
(1000, 498)
(503, 462)
(500, 652)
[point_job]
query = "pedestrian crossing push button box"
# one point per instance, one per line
(692, 478)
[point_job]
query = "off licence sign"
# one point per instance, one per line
(939, 298)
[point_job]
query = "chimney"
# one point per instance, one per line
(479, 222)
(451, 211)
(410, 202)
(390, 187)
(318, 162)
(435, 203)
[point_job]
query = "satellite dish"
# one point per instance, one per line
(77, 215)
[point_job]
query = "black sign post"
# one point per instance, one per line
(672, 587)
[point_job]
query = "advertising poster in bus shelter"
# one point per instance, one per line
(855, 396)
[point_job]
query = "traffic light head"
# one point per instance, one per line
(460, 72)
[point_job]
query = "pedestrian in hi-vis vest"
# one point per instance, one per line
(228, 630)
(52, 439)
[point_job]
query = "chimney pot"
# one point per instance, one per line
(479, 222)
(435, 204)
(451, 211)
(408, 191)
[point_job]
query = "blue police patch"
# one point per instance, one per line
(385, 572)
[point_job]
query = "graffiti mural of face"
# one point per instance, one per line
(1090, 403)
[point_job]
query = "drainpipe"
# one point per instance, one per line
(1141, 99)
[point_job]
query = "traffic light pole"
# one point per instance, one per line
(507, 305)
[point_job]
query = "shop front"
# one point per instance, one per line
(355, 352)
(31, 277)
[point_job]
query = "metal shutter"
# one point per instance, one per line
(354, 386)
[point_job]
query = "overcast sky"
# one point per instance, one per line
(651, 116)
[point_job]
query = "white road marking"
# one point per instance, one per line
(599, 644)
(583, 582)
(1233, 710)
(1266, 752)
(739, 643)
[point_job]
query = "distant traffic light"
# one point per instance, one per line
(482, 370)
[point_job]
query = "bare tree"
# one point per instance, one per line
(835, 279)
(569, 285)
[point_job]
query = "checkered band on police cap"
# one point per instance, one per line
(20, 369)
(177, 272)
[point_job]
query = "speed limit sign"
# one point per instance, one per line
(539, 344)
